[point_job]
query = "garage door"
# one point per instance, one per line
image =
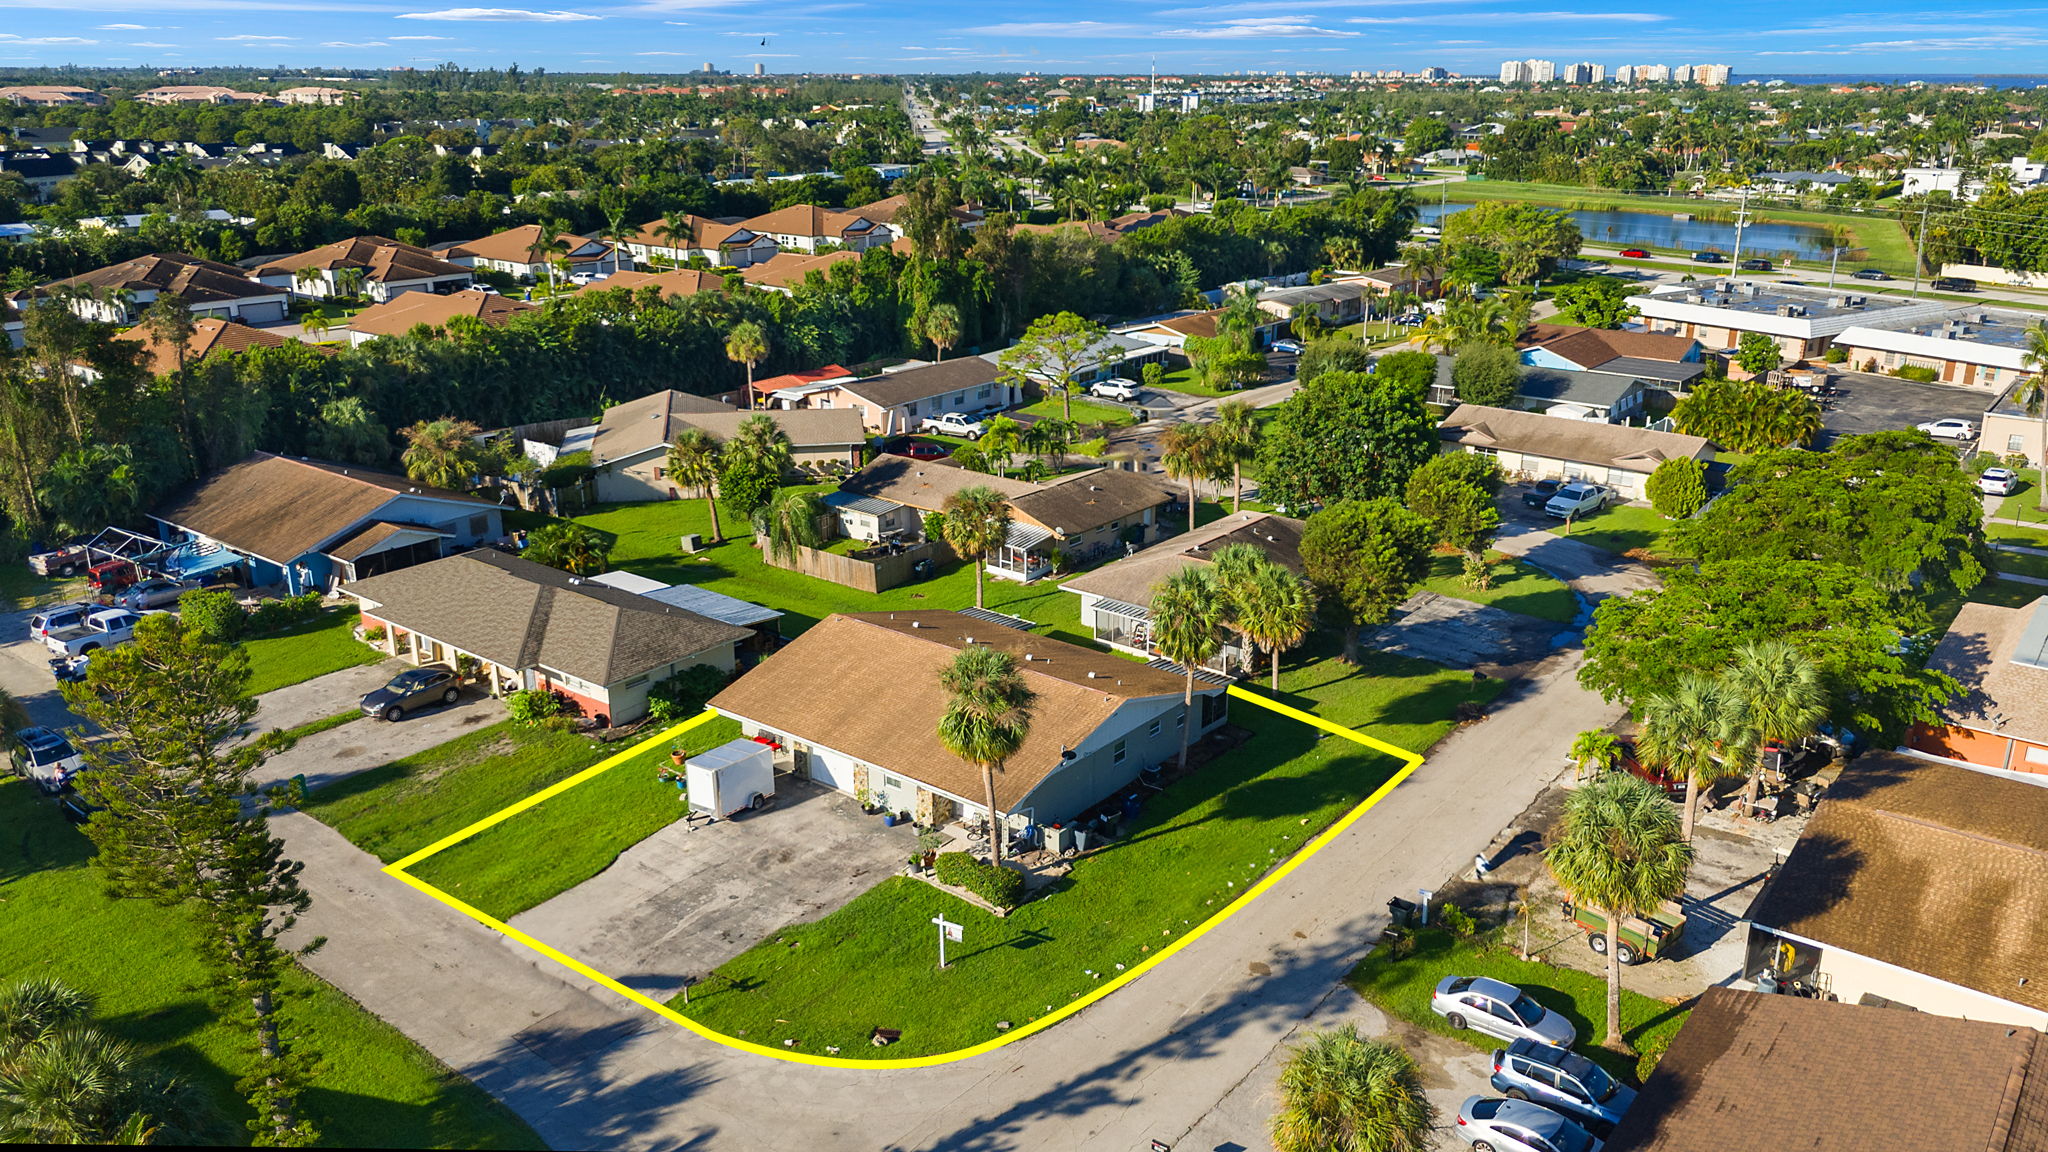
(832, 770)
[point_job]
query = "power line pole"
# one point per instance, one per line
(1741, 218)
(1920, 245)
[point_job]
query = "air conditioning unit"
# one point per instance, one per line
(691, 543)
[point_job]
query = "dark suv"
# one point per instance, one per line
(1953, 284)
(1540, 493)
(412, 690)
(1756, 265)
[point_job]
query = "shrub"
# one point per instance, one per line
(1486, 374)
(276, 615)
(1000, 886)
(214, 615)
(1918, 372)
(1457, 920)
(1678, 488)
(2014, 460)
(682, 695)
(1976, 464)
(374, 635)
(1835, 355)
(535, 705)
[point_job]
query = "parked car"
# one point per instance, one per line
(1114, 388)
(69, 560)
(101, 628)
(1540, 493)
(412, 690)
(1998, 482)
(1755, 265)
(1709, 258)
(111, 576)
(1290, 347)
(920, 450)
(1649, 937)
(156, 592)
(1670, 784)
(1577, 499)
(1495, 1125)
(953, 424)
(58, 618)
(1952, 428)
(1872, 274)
(1499, 1009)
(1636, 253)
(70, 669)
(44, 758)
(1562, 1081)
(1953, 284)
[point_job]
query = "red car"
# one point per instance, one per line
(1673, 786)
(921, 450)
(1635, 253)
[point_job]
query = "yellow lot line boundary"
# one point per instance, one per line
(1410, 761)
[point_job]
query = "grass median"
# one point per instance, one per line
(305, 651)
(373, 1089)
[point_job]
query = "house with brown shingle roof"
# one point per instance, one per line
(1766, 1072)
(2000, 656)
(209, 336)
(884, 212)
(807, 228)
(1552, 447)
(1116, 599)
(407, 311)
(531, 626)
(854, 703)
(1918, 883)
(388, 269)
(307, 524)
(676, 282)
(628, 445)
(519, 252)
(1673, 362)
(718, 242)
(785, 270)
(118, 293)
(50, 95)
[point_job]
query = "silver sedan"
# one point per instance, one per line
(1499, 1009)
(1496, 1125)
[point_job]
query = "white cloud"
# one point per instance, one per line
(1061, 28)
(501, 14)
(1254, 28)
(422, 37)
(678, 23)
(661, 53)
(767, 55)
(151, 44)
(352, 44)
(122, 27)
(12, 41)
(246, 38)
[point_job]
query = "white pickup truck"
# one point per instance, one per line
(103, 629)
(1577, 499)
(953, 424)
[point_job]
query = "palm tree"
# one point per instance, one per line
(1773, 695)
(63, 1081)
(987, 718)
(350, 281)
(1618, 849)
(1186, 616)
(570, 546)
(2032, 395)
(693, 463)
(1001, 438)
(1342, 1092)
(675, 235)
(441, 453)
(761, 441)
(1048, 439)
(1236, 567)
(1235, 439)
(1682, 732)
(1595, 748)
(747, 344)
(793, 520)
(1275, 610)
(546, 238)
(976, 522)
(1189, 454)
(941, 326)
(307, 277)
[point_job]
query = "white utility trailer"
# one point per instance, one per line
(735, 777)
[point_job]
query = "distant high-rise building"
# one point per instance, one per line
(760, 69)
(707, 67)
(1540, 71)
(1513, 72)
(1599, 74)
(1584, 73)
(1682, 74)
(1653, 74)
(1712, 75)
(1435, 74)
(1626, 74)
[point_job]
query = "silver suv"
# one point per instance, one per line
(1561, 1080)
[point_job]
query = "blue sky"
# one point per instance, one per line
(1472, 36)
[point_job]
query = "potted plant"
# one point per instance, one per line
(929, 842)
(865, 799)
(675, 753)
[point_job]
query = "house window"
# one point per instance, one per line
(986, 389)
(1116, 752)
(891, 782)
(478, 525)
(910, 409)
(2015, 443)
(1154, 729)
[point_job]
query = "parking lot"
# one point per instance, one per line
(1886, 404)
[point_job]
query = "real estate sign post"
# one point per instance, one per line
(947, 931)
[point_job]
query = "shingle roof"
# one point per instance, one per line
(894, 388)
(382, 261)
(1581, 441)
(787, 268)
(519, 614)
(281, 507)
(516, 246)
(1771, 1073)
(1558, 386)
(1592, 347)
(653, 420)
(925, 484)
(673, 283)
(704, 232)
(1928, 866)
(209, 335)
(807, 428)
(1133, 579)
(198, 281)
(1083, 501)
(809, 220)
(868, 686)
(409, 310)
(1999, 695)
(360, 543)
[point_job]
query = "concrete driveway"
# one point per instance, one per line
(1462, 634)
(689, 898)
(25, 674)
(1887, 404)
(325, 757)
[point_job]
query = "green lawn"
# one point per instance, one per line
(1623, 528)
(301, 653)
(311, 727)
(1195, 848)
(373, 1088)
(1085, 412)
(22, 589)
(1183, 380)
(2025, 503)
(646, 544)
(401, 807)
(1403, 987)
(1516, 587)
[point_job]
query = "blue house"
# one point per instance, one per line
(308, 525)
(1670, 363)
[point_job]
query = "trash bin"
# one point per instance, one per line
(1402, 912)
